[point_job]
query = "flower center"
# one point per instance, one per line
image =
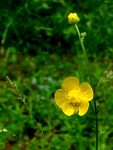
(73, 98)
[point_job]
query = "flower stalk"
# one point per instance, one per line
(96, 119)
(81, 38)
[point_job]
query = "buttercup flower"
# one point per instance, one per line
(74, 97)
(73, 18)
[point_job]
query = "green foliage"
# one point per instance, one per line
(38, 50)
(45, 126)
(33, 25)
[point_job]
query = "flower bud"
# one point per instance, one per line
(83, 34)
(73, 18)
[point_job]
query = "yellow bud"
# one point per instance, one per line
(73, 18)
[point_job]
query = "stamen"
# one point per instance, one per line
(73, 98)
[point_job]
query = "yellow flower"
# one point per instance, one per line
(74, 97)
(73, 18)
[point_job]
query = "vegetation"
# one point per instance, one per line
(38, 50)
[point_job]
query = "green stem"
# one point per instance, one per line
(23, 100)
(81, 42)
(96, 117)
(29, 111)
(81, 38)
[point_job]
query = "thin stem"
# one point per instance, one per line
(29, 111)
(92, 107)
(14, 89)
(23, 100)
(96, 117)
(81, 42)
(81, 38)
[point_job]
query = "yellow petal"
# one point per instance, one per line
(73, 18)
(70, 83)
(83, 108)
(60, 97)
(68, 109)
(86, 92)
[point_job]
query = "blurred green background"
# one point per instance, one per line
(38, 49)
